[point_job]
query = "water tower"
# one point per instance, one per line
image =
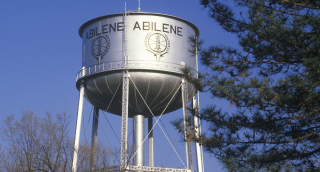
(131, 67)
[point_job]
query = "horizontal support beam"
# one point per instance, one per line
(147, 168)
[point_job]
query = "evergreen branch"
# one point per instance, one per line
(275, 122)
(299, 4)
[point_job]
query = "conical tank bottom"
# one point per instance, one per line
(157, 89)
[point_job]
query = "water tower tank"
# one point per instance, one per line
(156, 47)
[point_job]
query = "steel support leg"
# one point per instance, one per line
(95, 123)
(138, 136)
(124, 123)
(150, 141)
(78, 127)
(196, 128)
(187, 132)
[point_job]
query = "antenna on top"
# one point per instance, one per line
(125, 5)
(139, 6)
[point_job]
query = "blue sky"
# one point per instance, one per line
(41, 54)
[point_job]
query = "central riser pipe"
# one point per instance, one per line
(138, 136)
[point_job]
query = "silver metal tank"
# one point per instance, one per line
(156, 47)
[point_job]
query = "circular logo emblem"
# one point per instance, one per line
(158, 44)
(100, 46)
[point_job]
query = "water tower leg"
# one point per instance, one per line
(95, 122)
(196, 128)
(124, 121)
(138, 136)
(78, 127)
(185, 116)
(150, 141)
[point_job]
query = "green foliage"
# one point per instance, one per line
(273, 80)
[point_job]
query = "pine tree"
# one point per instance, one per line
(273, 81)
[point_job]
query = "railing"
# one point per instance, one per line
(111, 66)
